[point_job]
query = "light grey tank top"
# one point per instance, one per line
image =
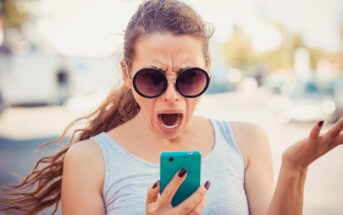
(127, 177)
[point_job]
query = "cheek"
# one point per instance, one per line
(145, 104)
(191, 105)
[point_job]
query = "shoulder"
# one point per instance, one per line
(251, 139)
(83, 150)
(258, 177)
(82, 180)
(248, 130)
(84, 146)
(84, 159)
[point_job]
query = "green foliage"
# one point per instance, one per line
(238, 51)
(315, 55)
(277, 59)
(283, 56)
(14, 14)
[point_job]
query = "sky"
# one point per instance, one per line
(93, 28)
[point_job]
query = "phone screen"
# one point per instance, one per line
(171, 163)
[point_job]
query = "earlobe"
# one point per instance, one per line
(124, 68)
(209, 63)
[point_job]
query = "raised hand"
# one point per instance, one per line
(303, 153)
(161, 204)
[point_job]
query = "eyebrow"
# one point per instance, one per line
(164, 71)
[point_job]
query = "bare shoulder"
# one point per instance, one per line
(85, 158)
(248, 130)
(85, 147)
(251, 139)
(82, 179)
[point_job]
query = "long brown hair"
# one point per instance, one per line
(41, 188)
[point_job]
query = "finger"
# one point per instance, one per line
(170, 190)
(335, 130)
(199, 208)
(316, 130)
(191, 202)
(153, 191)
(338, 140)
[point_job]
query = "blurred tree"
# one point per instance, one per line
(13, 15)
(315, 55)
(238, 51)
(282, 57)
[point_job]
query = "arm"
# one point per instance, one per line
(82, 182)
(289, 193)
(287, 198)
(259, 169)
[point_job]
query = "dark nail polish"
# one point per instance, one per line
(182, 172)
(207, 185)
(320, 123)
(155, 184)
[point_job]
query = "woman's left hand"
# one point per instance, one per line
(300, 155)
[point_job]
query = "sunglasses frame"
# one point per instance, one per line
(208, 79)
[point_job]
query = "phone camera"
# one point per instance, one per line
(171, 159)
(190, 152)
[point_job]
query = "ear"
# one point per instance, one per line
(124, 69)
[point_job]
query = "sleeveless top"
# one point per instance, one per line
(127, 177)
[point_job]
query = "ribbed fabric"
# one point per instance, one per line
(128, 177)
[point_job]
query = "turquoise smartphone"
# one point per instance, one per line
(171, 163)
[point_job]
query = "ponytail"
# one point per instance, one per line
(118, 108)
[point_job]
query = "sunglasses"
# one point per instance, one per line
(151, 83)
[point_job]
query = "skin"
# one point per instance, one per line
(83, 178)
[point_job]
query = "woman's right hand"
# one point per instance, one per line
(161, 204)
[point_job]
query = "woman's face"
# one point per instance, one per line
(169, 114)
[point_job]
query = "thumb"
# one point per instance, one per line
(153, 192)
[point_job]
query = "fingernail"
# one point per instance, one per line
(320, 123)
(182, 172)
(207, 185)
(155, 184)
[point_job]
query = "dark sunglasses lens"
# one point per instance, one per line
(192, 82)
(149, 82)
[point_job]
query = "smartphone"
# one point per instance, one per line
(171, 163)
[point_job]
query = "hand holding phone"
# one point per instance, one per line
(173, 162)
(161, 204)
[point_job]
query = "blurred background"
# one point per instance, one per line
(275, 63)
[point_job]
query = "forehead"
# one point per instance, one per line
(168, 51)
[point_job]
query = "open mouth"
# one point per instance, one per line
(170, 120)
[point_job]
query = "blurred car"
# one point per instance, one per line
(2, 105)
(314, 100)
(278, 82)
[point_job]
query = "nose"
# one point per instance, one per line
(171, 95)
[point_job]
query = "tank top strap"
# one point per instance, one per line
(225, 133)
(109, 147)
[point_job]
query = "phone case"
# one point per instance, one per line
(171, 163)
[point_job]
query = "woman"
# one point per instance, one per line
(112, 166)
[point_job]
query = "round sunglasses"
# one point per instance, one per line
(151, 83)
